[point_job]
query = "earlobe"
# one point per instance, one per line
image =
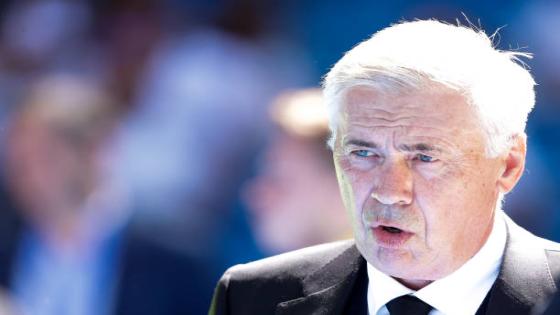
(514, 164)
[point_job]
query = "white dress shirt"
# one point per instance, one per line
(460, 293)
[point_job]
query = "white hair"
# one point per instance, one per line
(419, 54)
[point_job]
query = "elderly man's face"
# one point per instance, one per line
(415, 178)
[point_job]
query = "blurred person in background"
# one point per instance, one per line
(74, 252)
(37, 37)
(294, 199)
(197, 124)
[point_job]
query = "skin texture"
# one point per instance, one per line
(417, 161)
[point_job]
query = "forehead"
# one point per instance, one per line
(436, 112)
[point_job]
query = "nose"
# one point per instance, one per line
(393, 183)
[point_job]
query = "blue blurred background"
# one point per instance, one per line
(190, 85)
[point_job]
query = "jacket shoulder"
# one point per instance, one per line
(550, 245)
(298, 263)
(552, 250)
(257, 287)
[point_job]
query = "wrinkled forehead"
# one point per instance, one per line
(430, 103)
(421, 88)
(423, 112)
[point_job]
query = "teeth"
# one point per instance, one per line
(391, 229)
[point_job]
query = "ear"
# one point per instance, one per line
(514, 163)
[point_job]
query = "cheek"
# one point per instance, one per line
(353, 187)
(440, 201)
(453, 206)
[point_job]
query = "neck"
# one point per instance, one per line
(414, 284)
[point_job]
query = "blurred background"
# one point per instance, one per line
(146, 146)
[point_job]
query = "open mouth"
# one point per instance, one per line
(391, 229)
(390, 236)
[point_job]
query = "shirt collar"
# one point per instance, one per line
(461, 292)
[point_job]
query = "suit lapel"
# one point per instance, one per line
(524, 278)
(327, 290)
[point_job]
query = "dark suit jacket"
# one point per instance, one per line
(549, 307)
(331, 279)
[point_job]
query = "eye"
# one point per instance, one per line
(425, 158)
(362, 153)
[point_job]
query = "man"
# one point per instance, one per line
(427, 124)
(285, 192)
(70, 249)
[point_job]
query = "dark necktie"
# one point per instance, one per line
(408, 305)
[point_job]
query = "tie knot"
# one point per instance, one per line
(408, 305)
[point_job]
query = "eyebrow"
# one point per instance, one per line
(361, 143)
(422, 147)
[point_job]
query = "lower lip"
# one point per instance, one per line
(390, 240)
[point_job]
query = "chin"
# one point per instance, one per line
(398, 263)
